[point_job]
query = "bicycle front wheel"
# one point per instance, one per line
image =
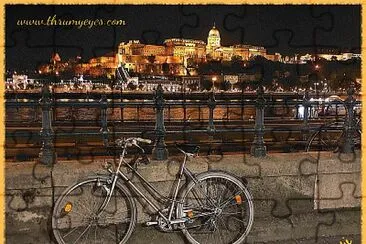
(77, 217)
(218, 208)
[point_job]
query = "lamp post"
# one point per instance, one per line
(214, 79)
(160, 151)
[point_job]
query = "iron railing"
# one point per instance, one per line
(161, 103)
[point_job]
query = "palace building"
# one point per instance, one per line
(216, 51)
(176, 56)
(213, 39)
(186, 48)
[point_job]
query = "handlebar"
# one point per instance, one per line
(132, 141)
(148, 141)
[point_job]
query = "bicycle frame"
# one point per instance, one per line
(119, 174)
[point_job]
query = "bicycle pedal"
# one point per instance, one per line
(151, 223)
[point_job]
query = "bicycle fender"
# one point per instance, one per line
(242, 178)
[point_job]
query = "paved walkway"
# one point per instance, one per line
(148, 235)
(282, 186)
(300, 228)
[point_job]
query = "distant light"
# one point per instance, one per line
(301, 112)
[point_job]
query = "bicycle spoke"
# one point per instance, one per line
(81, 224)
(87, 234)
(95, 235)
(71, 231)
(218, 201)
(226, 213)
(237, 219)
(83, 206)
(226, 202)
(200, 199)
(86, 229)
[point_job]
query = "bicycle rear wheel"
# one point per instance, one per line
(219, 209)
(330, 137)
(75, 216)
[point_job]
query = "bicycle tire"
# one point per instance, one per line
(70, 225)
(197, 233)
(331, 143)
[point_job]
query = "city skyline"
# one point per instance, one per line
(31, 46)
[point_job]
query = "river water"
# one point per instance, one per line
(32, 114)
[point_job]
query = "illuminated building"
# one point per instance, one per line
(215, 51)
(153, 50)
(133, 47)
(186, 48)
(108, 61)
(168, 59)
(274, 57)
(176, 56)
(329, 56)
(213, 39)
(103, 65)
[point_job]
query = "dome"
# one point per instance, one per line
(213, 39)
(214, 32)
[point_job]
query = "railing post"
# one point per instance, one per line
(47, 154)
(258, 149)
(306, 105)
(348, 144)
(103, 118)
(159, 151)
(211, 106)
(297, 107)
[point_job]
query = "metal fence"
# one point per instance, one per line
(303, 107)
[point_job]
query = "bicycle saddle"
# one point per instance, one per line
(188, 148)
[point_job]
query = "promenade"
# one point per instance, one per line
(298, 198)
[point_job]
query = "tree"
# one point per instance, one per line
(236, 63)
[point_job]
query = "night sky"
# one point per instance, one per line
(281, 28)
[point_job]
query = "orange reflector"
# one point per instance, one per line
(190, 214)
(68, 207)
(238, 199)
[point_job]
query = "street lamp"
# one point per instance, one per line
(213, 82)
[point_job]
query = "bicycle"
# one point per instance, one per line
(330, 136)
(210, 207)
